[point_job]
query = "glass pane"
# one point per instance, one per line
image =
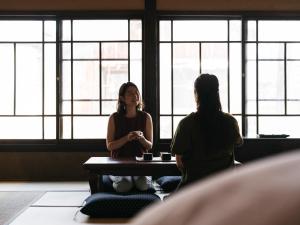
(100, 30)
(271, 80)
(114, 51)
(136, 30)
(235, 30)
(50, 79)
(251, 52)
(136, 64)
(83, 107)
(271, 51)
(165, 127)
(176, 120)
(293, 80)
(215, 61)
(164, 30)
(271, 107)
(201, 30)
(66, 130)
(284, 125)
(66, 51)
(293, 107)
(21, 128)
(6, 79)
(29, 79)
(21, 30)
(50, 31)
(293, 51)
(66, 107)
(251, 127)
(165, 85)
(86, 50)
(86, 80)
(250, 87)
(90, 127)
(185, 70)
(50, 127)
(108, 107)
(66, 80)
(66, 30)
(239, 121)
(293, 87)
(114, 74)
(278, 30)
(251, 31)
(235, 69)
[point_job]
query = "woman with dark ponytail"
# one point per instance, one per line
(204, 140)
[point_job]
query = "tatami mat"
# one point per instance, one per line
(72, 199)
(60, 216)
(44, 186)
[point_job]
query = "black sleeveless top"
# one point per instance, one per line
(123, 126)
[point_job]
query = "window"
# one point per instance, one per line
(189, 48)
(95, 57)
(98, 56)
(27, 79)
(56, 86)
(273, 77)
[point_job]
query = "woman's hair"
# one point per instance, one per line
(206, 87)
(121, 107)
(215, 128)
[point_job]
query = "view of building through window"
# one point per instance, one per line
(272, 77)
(97, 57)
(189, 48)
(67, 88)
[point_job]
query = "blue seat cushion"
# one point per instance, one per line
(113, 205)
(169, 183)
(108, 186)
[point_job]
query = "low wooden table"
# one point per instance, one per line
(98, 166)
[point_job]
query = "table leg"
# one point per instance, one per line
(93, 181)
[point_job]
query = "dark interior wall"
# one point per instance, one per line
(53, 5)
(44, 166)
(229, 5)
(178, 5)
(58, 165)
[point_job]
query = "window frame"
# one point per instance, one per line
(59, 144)
(149, 45)
(244, 17)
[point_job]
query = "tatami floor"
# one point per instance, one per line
(58, 205)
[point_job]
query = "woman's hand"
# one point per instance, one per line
(135, 135)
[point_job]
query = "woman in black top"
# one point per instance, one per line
(204, 140)
(129, 134)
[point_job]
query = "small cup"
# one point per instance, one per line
(165, 156)
(147, 156)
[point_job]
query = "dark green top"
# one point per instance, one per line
(198, 161)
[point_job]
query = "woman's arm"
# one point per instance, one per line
(179, 162)
(147, 139)
(112, 144)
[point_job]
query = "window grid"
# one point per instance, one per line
(172, 42)
(15, 45)
(101, 99)
(258, 115)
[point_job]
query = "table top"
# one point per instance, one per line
(130, 166)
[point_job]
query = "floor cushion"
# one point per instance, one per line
(169, 183)
(116, 205)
